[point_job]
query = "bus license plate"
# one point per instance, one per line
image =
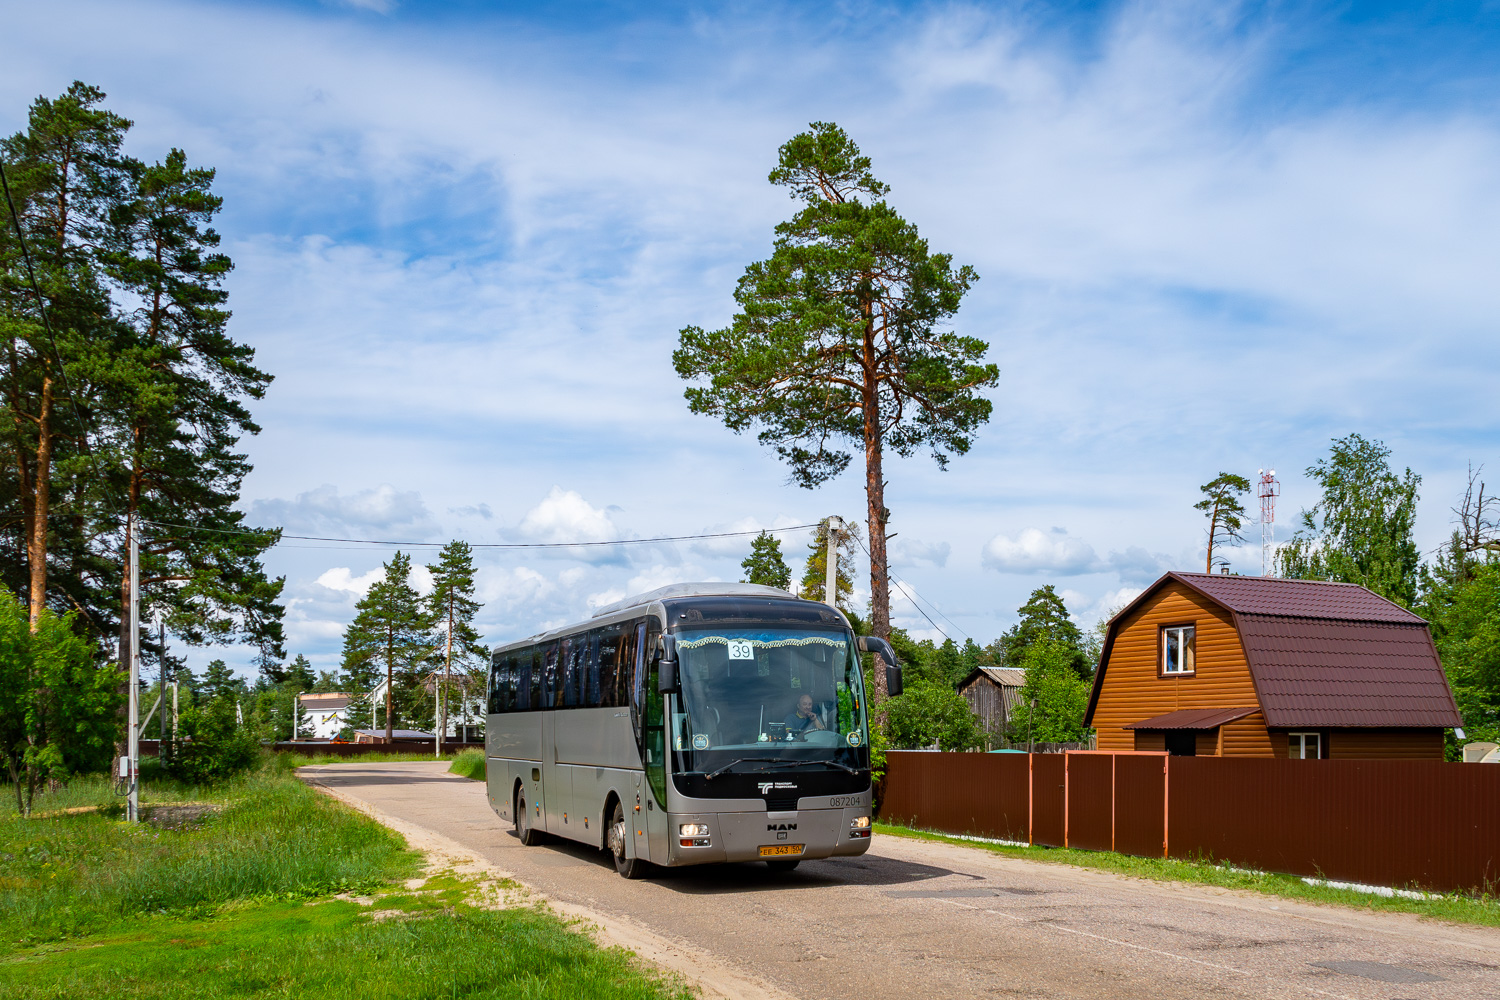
(779, 849)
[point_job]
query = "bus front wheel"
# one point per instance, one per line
(626, 866)
(525, 832)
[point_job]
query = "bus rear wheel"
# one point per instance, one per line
(615, 840)
(525, 832)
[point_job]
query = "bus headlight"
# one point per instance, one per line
(693, 830)
(860, 823)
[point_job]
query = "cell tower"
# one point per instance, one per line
(1269, 489)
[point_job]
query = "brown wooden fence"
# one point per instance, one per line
(1412, 823)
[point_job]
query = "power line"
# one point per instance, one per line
(911, 596)
(479, 545)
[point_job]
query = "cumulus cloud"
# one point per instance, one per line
(340, 578)
(1032, 550)
(912, 552)
(565, 516)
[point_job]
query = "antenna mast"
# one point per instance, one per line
(1268, 490)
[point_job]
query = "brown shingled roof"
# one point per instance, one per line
(1270, 595)
(1324, 654)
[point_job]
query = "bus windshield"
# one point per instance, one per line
(751, 691)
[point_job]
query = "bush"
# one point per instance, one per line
(211, 746)
(931, 713)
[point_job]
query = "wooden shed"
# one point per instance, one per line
(1223, 665)
(992, 693)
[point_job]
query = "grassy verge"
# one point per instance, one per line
(469, 764)
(300, 760)
(1484, 911)
(262, 888)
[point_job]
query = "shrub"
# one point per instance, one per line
(210, 746)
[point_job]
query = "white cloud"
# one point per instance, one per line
(340, 578)
(912, 552)
(1033, 550)
(565, 516)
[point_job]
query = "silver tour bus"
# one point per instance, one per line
(695, 724)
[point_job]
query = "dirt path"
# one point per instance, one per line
(913, 918)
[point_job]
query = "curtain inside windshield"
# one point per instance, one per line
(757, 690)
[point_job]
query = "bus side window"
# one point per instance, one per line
(638, 674)
(551, 682)
(591, 671)
(508, 685)
(534, 689)
(609, 659)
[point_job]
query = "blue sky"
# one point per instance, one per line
(1210, 237)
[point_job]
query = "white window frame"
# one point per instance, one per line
(1186, 665)
(1296, 745)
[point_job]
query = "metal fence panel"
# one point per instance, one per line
(981, 795)
(1140, 804)
(1048, 798)
(1090, 800)
(1414, 823)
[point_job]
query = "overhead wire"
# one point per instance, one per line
(911, 596)
(479, 545)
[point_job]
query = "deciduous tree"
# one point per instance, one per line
(840, 339)
(1361, 530)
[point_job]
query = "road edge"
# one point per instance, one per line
(710, 976)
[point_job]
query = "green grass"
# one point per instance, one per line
(469, 764)
(279, 892)
(1481, 910)
(299, 760)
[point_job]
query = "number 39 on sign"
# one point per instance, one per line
(741, 649)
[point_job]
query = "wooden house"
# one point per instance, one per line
(992, 693)
(1259, 666)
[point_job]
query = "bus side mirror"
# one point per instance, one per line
(883, 649)
(667, 681)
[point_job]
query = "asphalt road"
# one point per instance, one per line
(912, 918)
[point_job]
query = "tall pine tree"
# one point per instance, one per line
(840, 340)
(389, 631)
(451, 607)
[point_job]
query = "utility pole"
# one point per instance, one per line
(133, 744)
(831, 587)
(161, 639)
(442, 726)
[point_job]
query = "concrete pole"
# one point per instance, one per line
(133, 751)
(831, 587)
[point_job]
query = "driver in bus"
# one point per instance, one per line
(804, 719)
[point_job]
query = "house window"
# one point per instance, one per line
(1177, 650)
(1304, 746)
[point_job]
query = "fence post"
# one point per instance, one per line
(1030, 799)
(1067, 795)
(1114, 797)
(1166, 802)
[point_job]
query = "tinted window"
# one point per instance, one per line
(529, 694)
(591, 696)
(551, 682)
(610, 639)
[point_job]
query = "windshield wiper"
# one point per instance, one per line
(738, 760)
(775, 760)
(800, 763)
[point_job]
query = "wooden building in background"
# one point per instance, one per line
(992, 693)
(1223, 665)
